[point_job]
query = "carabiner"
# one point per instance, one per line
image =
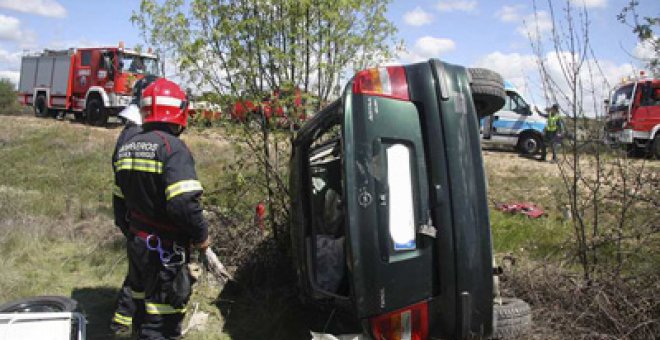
(148, 242)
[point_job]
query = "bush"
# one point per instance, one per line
(8, 100)
(567, 307)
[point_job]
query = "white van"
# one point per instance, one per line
(517, 124)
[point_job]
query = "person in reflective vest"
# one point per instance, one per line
(552, 132)
(125, 315)
(155, 172)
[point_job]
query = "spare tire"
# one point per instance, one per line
(41, 106)
(487, 91)
(513, 319)
(40, 304)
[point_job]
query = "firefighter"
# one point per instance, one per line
(156, 174)
(552, 132)
(124, 317)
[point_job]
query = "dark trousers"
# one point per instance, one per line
(163, 312)
(549, 138)
(129, 308)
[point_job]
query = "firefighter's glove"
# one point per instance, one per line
(195, 270)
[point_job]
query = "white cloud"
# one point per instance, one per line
(427, 47)
(523, 72)
(514, 67)
(47, 8)
(645, 50)
(10, 64)
(11, 75)
(535, 25)
(590, 3)
(510, 13)
(10, 28)
(457, 5)
(10, 58)
(417, 17)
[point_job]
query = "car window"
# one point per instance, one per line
(401, 208)
(650, 95)
(514, 102)
(86, 58)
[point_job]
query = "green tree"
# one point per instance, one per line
(8, 99)
(249, 48)
(644, 28)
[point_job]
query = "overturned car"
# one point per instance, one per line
(390, 217)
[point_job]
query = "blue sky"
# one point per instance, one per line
(486, 33)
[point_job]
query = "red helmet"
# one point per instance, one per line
(164, 101)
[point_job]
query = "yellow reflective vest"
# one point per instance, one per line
(552, 123)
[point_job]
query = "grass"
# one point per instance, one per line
(57, 235)
(56, 231)
(518, 234)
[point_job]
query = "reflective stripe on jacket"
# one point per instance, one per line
(118, 203)
(156, 174)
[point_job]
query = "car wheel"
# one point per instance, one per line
(40, 304)
(513, 319)
(655, 147)
(529, 144)
(40, 106)
(97, 115)
(632, 150)
(487, 91)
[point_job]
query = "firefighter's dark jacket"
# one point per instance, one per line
(155, 180)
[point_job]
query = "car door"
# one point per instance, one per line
(387, 203)
(512, 118)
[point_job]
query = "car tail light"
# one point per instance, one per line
(383, 81)
(410, 323)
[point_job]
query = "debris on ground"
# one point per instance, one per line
(197, 321)
(529, 209)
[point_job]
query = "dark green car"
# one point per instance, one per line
(390, 217)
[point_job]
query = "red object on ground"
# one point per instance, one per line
(528, 209)
(259, 215)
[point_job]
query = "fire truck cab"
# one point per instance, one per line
(92, 83)
(633, 116)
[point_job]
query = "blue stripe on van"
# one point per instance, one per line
(518, 125)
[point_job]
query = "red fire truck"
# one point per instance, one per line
(92, 83)
(633, 116)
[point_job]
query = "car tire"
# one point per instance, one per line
(41, 107)
(97, 115)
(655, 147)
(529, 144)
(40, 304)
(513, 319)
(634, 151)
(487, 91)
